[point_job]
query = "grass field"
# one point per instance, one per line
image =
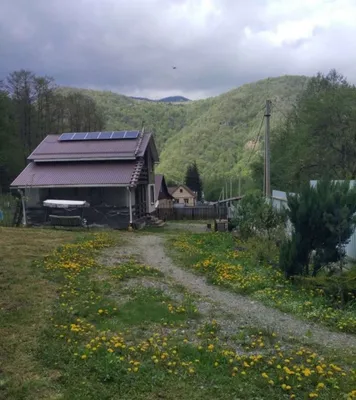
(7, 207)
(88, 321)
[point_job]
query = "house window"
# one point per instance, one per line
(186, 201)
(181, 190)
(152, 194)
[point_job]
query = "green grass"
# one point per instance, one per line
(214, 255)
(103, 337)
(148, 306)
(25, 299)
(7, 206)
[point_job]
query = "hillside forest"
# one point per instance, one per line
(313, 128)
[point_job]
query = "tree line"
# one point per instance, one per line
(33, 106)
(318, 137)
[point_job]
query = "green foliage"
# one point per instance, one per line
(216, 132)
(288, 257)
(341, 288)
(30, 108)
(256, 216)
(193, 181)
(316, 139)
(323, 221)
(262, 251)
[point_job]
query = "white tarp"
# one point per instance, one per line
(65, 203)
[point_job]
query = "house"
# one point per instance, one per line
(112, 171)
(183, 195)
(162, 195)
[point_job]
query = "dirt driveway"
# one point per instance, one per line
(238, 311)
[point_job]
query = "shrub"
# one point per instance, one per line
(262, 251)
(256, 216)
(323, 221)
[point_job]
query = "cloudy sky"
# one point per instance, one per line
(130, 46)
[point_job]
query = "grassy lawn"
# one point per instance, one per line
(25, 301)
(7, 206)
(73, 328)
(215, 255)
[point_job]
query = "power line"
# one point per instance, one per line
(274, 105)
(257, 139)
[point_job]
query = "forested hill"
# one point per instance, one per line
(216, 132)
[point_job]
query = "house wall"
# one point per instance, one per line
(150, 166)
(151, 182)
(111, 196)
(33, 197)
(181, 194)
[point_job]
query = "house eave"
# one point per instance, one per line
(83, 159)
(72, 186)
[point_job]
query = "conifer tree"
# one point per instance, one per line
(193, 180)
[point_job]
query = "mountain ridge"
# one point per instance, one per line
(169, 99)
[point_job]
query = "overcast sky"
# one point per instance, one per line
(130, 46)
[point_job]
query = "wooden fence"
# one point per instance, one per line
(191, 213)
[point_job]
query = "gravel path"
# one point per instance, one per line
(243, 310)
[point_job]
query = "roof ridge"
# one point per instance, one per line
(139, 141)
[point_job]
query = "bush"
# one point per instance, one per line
(256, 216)
(264, 252)
(323, 221)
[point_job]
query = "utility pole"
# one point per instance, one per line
(226, 192)
(230, 187)
(267, 172)
(239, 185)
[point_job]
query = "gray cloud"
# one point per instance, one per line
(130, 46)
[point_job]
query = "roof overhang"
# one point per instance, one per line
(71, 186)
(81, 174)
(44, 160)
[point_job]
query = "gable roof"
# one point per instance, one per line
(86, 163)
(173, 189)
(160, 186)
(51, 149)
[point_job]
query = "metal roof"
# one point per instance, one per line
(51, 149)
(160, 183)
(79, 174)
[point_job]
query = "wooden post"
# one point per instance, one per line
(130, 207)
(24, 217)
(267, 174)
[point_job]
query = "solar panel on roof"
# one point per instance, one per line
(118, 135)
(66, 136)
(115, 135)
(79, 136)
(105, 135)
(92, 135)
(132, 134)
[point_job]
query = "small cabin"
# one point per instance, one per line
(183, 196)
(113, 172)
